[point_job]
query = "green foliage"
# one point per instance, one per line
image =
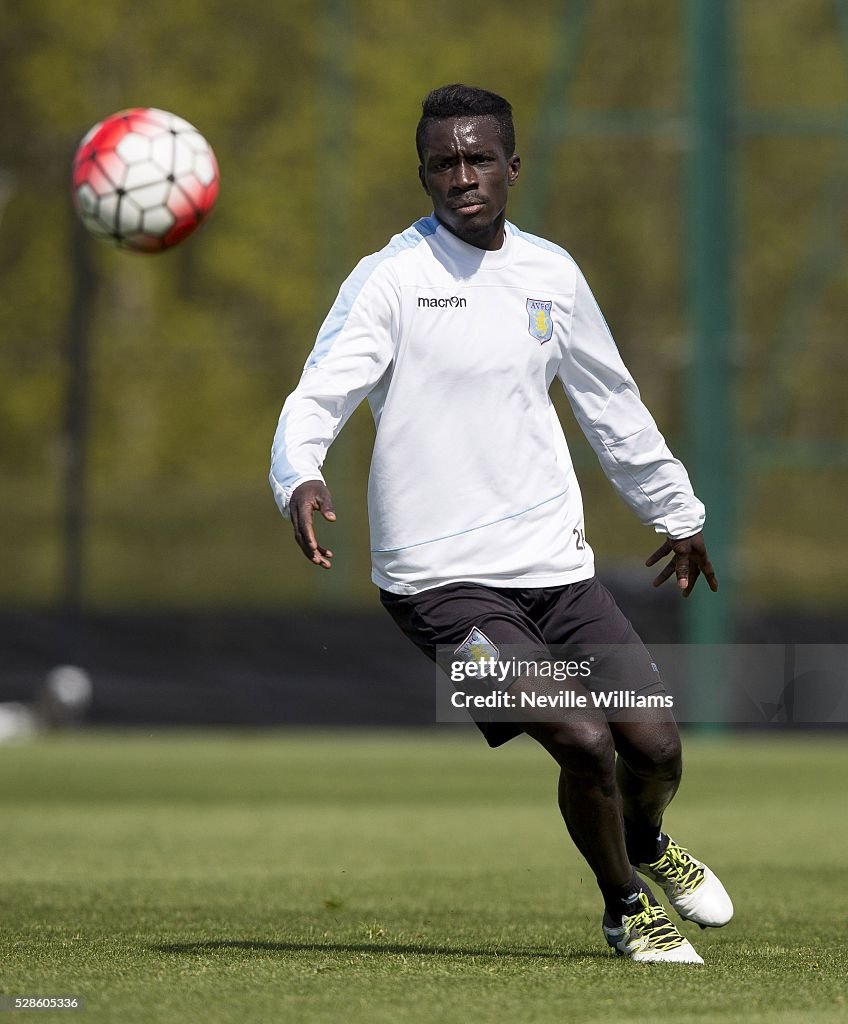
(311, 109)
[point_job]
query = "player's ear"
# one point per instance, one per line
(421, 178)
(513, 167)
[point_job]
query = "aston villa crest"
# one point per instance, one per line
(540, 324)
(477, 647)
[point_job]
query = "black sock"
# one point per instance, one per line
(623, 899)
(645, 843)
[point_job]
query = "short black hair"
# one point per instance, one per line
(465, 101)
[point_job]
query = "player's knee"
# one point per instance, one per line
(661, 756)
(583, 747)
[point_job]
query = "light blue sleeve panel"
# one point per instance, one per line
(353, 350)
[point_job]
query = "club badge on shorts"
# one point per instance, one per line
(540, 323)
(477, 647)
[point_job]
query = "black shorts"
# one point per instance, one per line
(536, 623)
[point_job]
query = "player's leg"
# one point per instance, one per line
(648, 771)
(581, 743)
(454, 615)
(585, 617)
(464, 618)
(649, 765)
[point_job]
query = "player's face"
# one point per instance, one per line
(467, 174)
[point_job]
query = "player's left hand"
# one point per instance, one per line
(689, 561)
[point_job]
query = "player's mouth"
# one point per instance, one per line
(468, 209)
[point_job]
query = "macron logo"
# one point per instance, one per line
(454, 302)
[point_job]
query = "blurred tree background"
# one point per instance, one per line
(311, 107)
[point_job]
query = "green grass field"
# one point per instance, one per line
(398, 877)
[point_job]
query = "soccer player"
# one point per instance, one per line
(454, 332)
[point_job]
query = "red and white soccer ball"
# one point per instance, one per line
(144, 179)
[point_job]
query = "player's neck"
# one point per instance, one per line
(490, 238)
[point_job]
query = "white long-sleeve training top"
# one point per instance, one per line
(471, 479)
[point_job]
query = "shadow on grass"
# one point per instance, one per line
(189, 948)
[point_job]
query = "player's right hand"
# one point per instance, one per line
(308, 498)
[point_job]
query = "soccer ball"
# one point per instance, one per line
(144, 179)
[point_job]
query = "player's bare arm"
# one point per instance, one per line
(690, 560)
(307, 499)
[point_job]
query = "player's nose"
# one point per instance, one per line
(464, 176)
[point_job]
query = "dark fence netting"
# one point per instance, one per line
(277, 668)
